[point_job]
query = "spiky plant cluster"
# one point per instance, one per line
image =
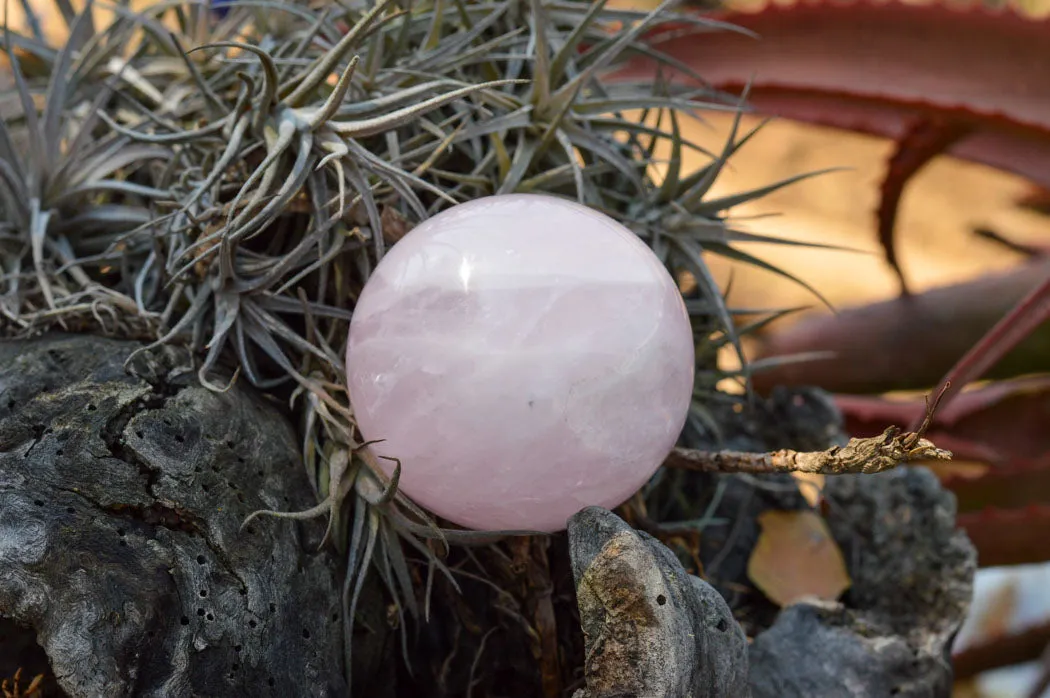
(229, 183)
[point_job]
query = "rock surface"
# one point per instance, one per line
(912, 574)
(651, 630)
(890, 633)
(121, 499)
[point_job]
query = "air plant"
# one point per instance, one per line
(228, 183)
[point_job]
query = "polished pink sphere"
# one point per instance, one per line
(524, 357)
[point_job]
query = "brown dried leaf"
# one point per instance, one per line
(395, 226)
(811, 485)
(795, 557)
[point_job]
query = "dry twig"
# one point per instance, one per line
(872, 454)
(1024, 645)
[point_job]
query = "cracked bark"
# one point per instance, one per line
(121, 498)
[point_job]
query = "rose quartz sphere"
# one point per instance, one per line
(524, 357)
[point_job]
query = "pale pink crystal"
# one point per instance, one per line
(524, 357)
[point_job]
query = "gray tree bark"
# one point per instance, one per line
(121, 500)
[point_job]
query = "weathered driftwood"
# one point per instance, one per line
(651, 630)
(120, 503)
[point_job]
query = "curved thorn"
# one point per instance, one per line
(269, 94)
(388, 495)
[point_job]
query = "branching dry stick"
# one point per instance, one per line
(873, 454)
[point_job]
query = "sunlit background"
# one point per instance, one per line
(942, 206)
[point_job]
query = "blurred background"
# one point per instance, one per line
(944, 203)
(973, 237)
(957, 223)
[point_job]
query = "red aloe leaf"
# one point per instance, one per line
(1010, 536)
(1037, 199)
(875, 66)
(1007, 488)
(906, 343)
(1019, 323)
(964, 450)
(1001, 424)
(882, 67)
(975, 404)
(1027, 249)
(925, 139)
(1003, 650)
